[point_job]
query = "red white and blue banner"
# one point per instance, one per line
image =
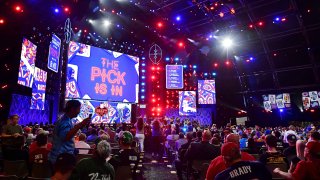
(38, 89)
(54, 53)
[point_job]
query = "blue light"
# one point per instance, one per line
(143, 58)
(184, 66)
(143, 77)
(184, 129)
(214, 74)
(143, 70)
(281, 110)
(143, 64)
(142, 97)
(205, 74)
(167, 59)
(251, 58)
(194, 66)
(176, 59)
(142, 90)
(277, 19)
(56, 10)
(178, 18)
(142, 84)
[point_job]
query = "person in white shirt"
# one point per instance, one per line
(290, 131)
(82, 144)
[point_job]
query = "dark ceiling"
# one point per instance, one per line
(286, 55)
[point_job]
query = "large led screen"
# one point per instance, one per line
(272, 101)
(27, 63)
(99, 74)
(38, 89)
(104, 112)
(311, 99)
(174, 76)
(206, 91)
(187, 103)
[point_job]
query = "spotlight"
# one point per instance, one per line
(214, 74)
(260, 23)
(167, 59)
(90, 21)
(281, 110)
(215, 64)
(66, 9)
(159, 24)
(181, 44)
(178, 18)
(1, 21)
(251, 26)
(18, 8)
(56, 10)
(106, 23)
(227, 43)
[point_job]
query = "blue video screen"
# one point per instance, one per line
(207, 91)
(98, 74)
(38, 89)
(187, 103)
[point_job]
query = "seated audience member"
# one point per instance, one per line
(126, 155)
(202, 150)
(171, 139)
(238, 169)
(93, 136)
(198, 137)
(243, 141)
(96, 167)
(82, 144)
(33, 146)
(180, 141)
(290, 131)
(40, 154)
(306, 169)
(28, 134)
(290, 152)
(315, 136)
(272, 156)
(63, 166)
(218, 165)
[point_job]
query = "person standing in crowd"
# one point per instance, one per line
(64, 131)
(63, 166)
(290, 152)
(290, 131)
(82, 144)
(156, 138)
(13, 129)
(238, 169)
(243, 141)
(218, 164)
(96, 167)
(306, 169)
(140, 133)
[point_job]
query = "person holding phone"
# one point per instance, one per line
(64, 131)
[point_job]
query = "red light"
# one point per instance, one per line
(159, 24)
(152, 114)
(158, 68)
(153, 68)
(153, 77)
(260, 23)
(181, 44)
(18, 8)
(215, 64)
(66, 9)
(212, 8)
(158, 114)
(283, 19)
(251, 26)
(113, 11)
(274, 54)
(227, 63)
(159, 109)
(312, 110)
(153, 100)
(85, 30)
(248, 60)
(1, 21)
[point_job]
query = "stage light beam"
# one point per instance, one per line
(227, 43)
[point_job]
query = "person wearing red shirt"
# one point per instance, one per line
(306, 169)
(40, 154)
(218, 165)
(33, 146)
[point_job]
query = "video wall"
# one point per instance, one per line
(104, 112)
(98, 74)
(280, 101)
(206, 91)
(187, 103)
(38, 89)
(311, 99)
(27, 63)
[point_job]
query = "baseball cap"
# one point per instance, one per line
(230, 149)
(314, 147)
(291, 138)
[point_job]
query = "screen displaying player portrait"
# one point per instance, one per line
(98, 74)
(38, 89)
(104, 112)
(311, 99)
(187, 103)
(206, 91)
(27, 63)
(273, 101)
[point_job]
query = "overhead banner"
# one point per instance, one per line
(311, 99)
(27, 63)
(187, 103)
(272, 101)
(99, 74)
(174, 76)
(206, 91)
(38, 89)
(54, 53)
